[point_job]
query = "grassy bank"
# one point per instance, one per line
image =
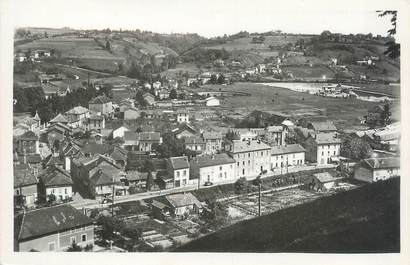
(363, 220)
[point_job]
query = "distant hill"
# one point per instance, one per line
(364, 220)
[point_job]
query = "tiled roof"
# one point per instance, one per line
(94, 148)
(327, 138)
(212, 160)
(78, 110)
(96, 117)
(274, 128)
(100, 100)
(324, 177)
(130, 136)
(149, 136)
(179, 162)
(54, 176)
(183, 199)
(59, 118)
(287, 149)
(23, 176)
(248, 146)
(136, 175)
(212, 135)
(49, 220)
(194, 140)
(119, 153)
(383, 162)
(322, 126)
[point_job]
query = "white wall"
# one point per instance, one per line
(326, 151)
(292, 159)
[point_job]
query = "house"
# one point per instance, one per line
(78, 115)
(252, 157)
(137, 179)
(57, 131)
(156, 85)
(195, 143)
(125, 103)
(261, 68)
(378, 115)
(60, 118)
(20, 57)
(41, 53)
(162, 94)
(275, 135)
(212, 102)
(55, 181)
(321, 148)
(147, 139)
(119, 132)
(120, 156)
(213, 141)
(178, 168)
(95, 122)
(105, 179)
(212, 168)
(283, 156)
(184, 130)
(322, 181)
(52, 229)
(322, 127)
(102, 105)
(182, 116)
(131, 113)
(149, 98)
(183, 203)
(131, 141)
(25, 185)
(28, 143)
(377, 169)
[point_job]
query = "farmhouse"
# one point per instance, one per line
(322, 181)
(275, 135)
(213, 141)
(55, 181)
(195, 143)
(25, 185)
(287, 156)
(52, 229)
(325, 127)
(376, 169)
(78, 115)
(28, 143)
(149, 98)
(183, 203)
(101, 104)
(182, 116)
(95, 122)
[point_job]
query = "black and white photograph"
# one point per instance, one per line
(204, 127)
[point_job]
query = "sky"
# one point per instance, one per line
(207, 18)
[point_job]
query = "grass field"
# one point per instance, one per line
(306, 72)
(344, 112)
(362, 220)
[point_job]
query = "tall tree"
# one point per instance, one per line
(393, 48)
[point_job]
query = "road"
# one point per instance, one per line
(90, 204)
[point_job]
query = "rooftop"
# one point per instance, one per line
(55, 176)
(327, 138)
(23, 176)
(383, 162)
(248, 146)
(78, 110)
(287, 149)
(179, 162)
(322, 126)
(212, 160)
(60, 118)
(49, 220)
(212, 135)
(100, 100)
(183, 199)
(324, 177)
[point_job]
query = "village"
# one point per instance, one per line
(111, 163)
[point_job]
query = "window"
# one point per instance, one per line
(243, 163)
(53, 191)
(65, 191)
(334, 152)
(225, 174)
(262, 153)
(243, 171)
(72, 239)
(323, 153)
(220, 168)
(51, 246)
(84, 237)
(249, 154)
(220, 175)
(237, 164)
(184, 182)
(178, 174)
(249, 162)
(184, 173)
(17, 192)
(328, 146)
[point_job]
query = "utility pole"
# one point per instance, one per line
(259, 199)
(113, 196)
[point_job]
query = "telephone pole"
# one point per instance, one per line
(113, 196)
(259, 199)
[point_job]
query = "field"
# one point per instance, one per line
(344, 112)
(362, 220)
(304, 72)
(245, 43)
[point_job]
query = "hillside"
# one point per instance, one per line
(364, 220)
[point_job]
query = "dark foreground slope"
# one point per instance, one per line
(366, 220)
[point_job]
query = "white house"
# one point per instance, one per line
(178, 168)
(376, 169)
(212, 101)
(182, 116)
(119, 132)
